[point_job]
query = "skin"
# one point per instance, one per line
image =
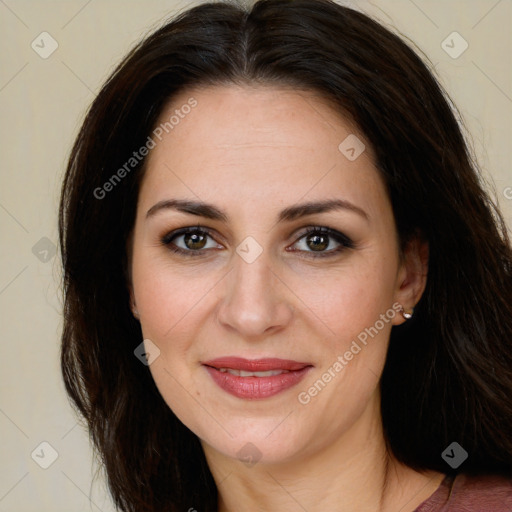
(253, 151)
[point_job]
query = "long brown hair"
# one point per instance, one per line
(448, 375)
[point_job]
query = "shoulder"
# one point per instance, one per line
(483, 492)
(465, 493)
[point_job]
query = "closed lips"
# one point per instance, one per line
(255, 379)
(255, 367)
(243, 373)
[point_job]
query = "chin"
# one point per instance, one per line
(257, 441)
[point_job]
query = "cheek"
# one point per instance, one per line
(166, 295)
(351, 298)
(169, 304)
(353, 357)
(348, 304)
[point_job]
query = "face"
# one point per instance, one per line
(272, 318)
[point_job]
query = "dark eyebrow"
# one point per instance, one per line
(301, 210)
(193, 207)
(210, 211)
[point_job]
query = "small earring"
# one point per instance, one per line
(407, 316)
(135, 311)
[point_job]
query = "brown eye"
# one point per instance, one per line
(322, 242)
(195, 241)
(191, 241)
(317, 242)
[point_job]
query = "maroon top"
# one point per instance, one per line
(470, 494)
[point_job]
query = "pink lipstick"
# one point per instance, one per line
(256, 378)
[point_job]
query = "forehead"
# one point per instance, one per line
(264, 142)
(234, 117)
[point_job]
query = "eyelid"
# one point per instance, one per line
(334, 233)
(166, 239)
(343, 240)
(169, 237)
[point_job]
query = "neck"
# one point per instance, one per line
(354, 473)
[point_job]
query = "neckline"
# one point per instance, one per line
(439, 496)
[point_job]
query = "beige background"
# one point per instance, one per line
(42, 102)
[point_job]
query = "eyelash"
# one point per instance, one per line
(344, 241)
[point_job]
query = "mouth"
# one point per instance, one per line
(257, 378)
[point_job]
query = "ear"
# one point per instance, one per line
(412, 275)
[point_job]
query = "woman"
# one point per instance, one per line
(285, 287)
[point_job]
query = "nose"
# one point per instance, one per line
(255, 301)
